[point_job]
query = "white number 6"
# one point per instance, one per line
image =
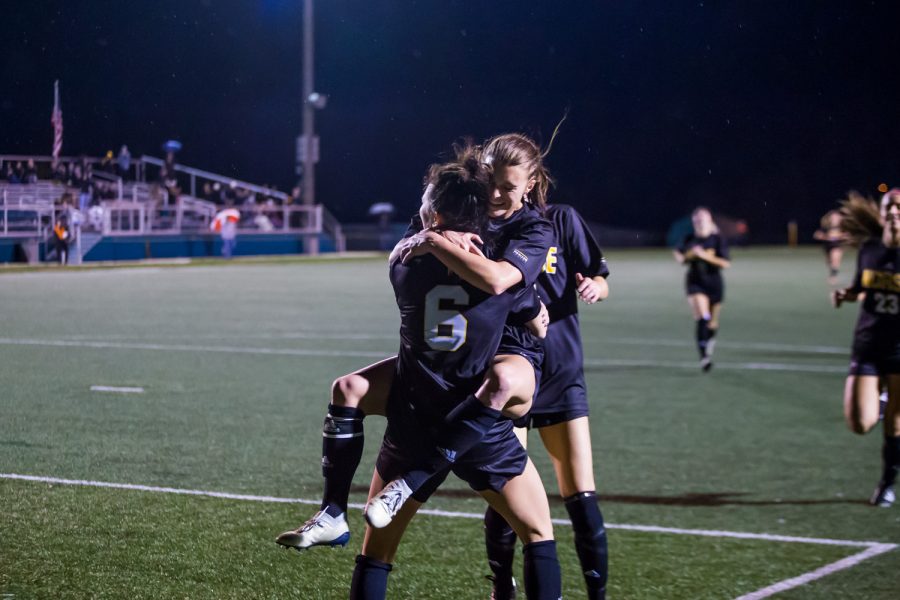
(445, 327)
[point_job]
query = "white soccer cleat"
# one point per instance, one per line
(321, 530)
(883, 496)
(382, 509)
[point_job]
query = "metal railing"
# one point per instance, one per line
(31, 210)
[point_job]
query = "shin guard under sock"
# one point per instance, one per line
(590, 542)
(702, 336)
(890, 454)
(342, 448)
(542, 577)
(370, 578)
(500, 541)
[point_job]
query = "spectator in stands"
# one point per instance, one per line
(61, 172)
(124, 162)
(12, 175)
(61, 237)
(86, 188)
(107, 164)
(31, 175)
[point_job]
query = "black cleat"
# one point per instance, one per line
(503, 590)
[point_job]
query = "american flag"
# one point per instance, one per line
(57, 121)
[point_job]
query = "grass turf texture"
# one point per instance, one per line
(237, 360)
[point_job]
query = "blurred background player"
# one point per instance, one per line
(441, 366)
(705, 253)
(875, 356)
(832, 238)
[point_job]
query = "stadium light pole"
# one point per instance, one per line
(308, 145)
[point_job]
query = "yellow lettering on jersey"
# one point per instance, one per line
(550, 263)
(881, 280)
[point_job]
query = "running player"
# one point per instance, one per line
(450, 332)
(876, 340)
(832, 238)
(575, 268)
(515, 231)
(705, 253)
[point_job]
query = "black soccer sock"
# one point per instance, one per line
(890, 454)
(500, 540)
(702, 336)
(370, 579)
(542, 577)
(462, 429)
(342, 448)
(590, 541)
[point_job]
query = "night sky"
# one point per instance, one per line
(761, 110)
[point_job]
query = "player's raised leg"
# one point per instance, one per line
(353, 397)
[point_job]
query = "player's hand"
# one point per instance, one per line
(538, 325)
(588, 290)
(470, 242)
(417, 245)
(839, 296)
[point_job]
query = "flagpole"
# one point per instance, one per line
(57, 125)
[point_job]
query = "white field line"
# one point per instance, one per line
(186, 348)
(117, 390)
(871, 549)
(329, 335)
(844, 563)
(691, 365)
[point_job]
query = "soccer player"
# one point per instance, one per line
(705, 253)
(575, 269)
(832, 238)
(450, 332)
(515, 231)
(876, 340)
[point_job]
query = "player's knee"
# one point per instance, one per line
(500, 386)
(537, 532)
(347, 390)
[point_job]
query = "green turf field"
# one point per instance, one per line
(236, 362)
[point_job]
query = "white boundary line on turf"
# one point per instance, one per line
(844, 563)
(749, 366)
(330, 335)
(117, 390)
(871, 549)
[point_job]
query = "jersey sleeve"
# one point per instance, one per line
(527, 248)
(579, 245)
(682, 246)
(722, 248)
(527, 305)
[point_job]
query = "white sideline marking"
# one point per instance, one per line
(187, 348)
(120, 390)
(673, 364)
(844, 563)
(872, 549)
(392, 336)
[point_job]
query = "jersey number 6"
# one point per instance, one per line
(445, 327)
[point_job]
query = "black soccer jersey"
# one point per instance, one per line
(700, 271)
(449, 331)
(878, 276)
(574, 251)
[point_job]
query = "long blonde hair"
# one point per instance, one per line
(860, 217)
